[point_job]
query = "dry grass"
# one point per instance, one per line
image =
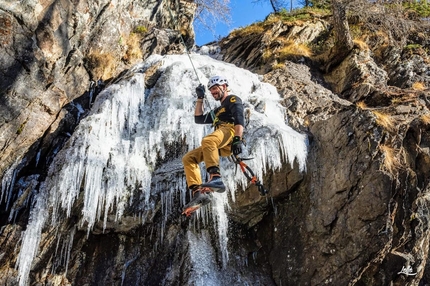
(290, 21)
(267, 54)
(405, 98)
(418, 86)
(102, 65)
(426, 119)
(291, 50)
(391, 160)
(278, 66)
(361, 44)
(133, 51)
(361, 105)
(385, 120)
(379, 42)
(272, 19)
(249, 30)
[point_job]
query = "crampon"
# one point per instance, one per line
(188, 211)
(201, 197)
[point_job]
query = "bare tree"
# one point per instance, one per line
(211, 12)
(277, 5)
(341, 27)
(306, 3)
(321, 3)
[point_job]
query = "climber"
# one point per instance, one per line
(228, 121)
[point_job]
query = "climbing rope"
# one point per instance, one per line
(183, 42)
(188, 53)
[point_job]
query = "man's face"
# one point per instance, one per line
(218, 91)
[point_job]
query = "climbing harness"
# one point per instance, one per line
(215, 119)
(249, 174)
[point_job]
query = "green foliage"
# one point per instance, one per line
(140, 30)
(21, 128)
(413, 47)
(356, 30)
(422, 9)
(303, 14)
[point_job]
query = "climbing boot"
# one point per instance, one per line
(215, 183)
(201, 197)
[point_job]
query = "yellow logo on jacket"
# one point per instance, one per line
(233, 99)
(222, 110)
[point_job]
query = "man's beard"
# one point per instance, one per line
(220, 95)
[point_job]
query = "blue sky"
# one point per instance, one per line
(241, 15)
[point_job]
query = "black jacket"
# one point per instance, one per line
(230, 111)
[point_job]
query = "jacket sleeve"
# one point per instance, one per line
(236, 109)
(203, 119)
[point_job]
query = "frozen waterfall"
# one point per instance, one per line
(115, 149)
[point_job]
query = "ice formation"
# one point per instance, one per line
(115, 148)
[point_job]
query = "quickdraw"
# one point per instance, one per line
(249, 174)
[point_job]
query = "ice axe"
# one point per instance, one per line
(249, 174)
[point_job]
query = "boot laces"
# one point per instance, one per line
(201, 190)
(214, 176)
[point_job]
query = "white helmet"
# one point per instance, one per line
(217, 80)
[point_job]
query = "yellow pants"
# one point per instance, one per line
(213, 145)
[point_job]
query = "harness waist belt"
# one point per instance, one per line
(220, 123)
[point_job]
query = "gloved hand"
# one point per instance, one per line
(236, 146)
(200, 90)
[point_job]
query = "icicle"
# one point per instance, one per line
(69, 248)
(204, 270)
(274, 207)
(56, 262)
(220, 200)
(7, 184)
(104, 151)
(25, 189)
(31, 238)
(91, 92)
(116, 148)
(38, 157)
(124, 270)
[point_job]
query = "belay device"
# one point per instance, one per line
(249, 174)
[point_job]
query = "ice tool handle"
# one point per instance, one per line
(249, 174)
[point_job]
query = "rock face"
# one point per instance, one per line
(357, 216)
(53, 50)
